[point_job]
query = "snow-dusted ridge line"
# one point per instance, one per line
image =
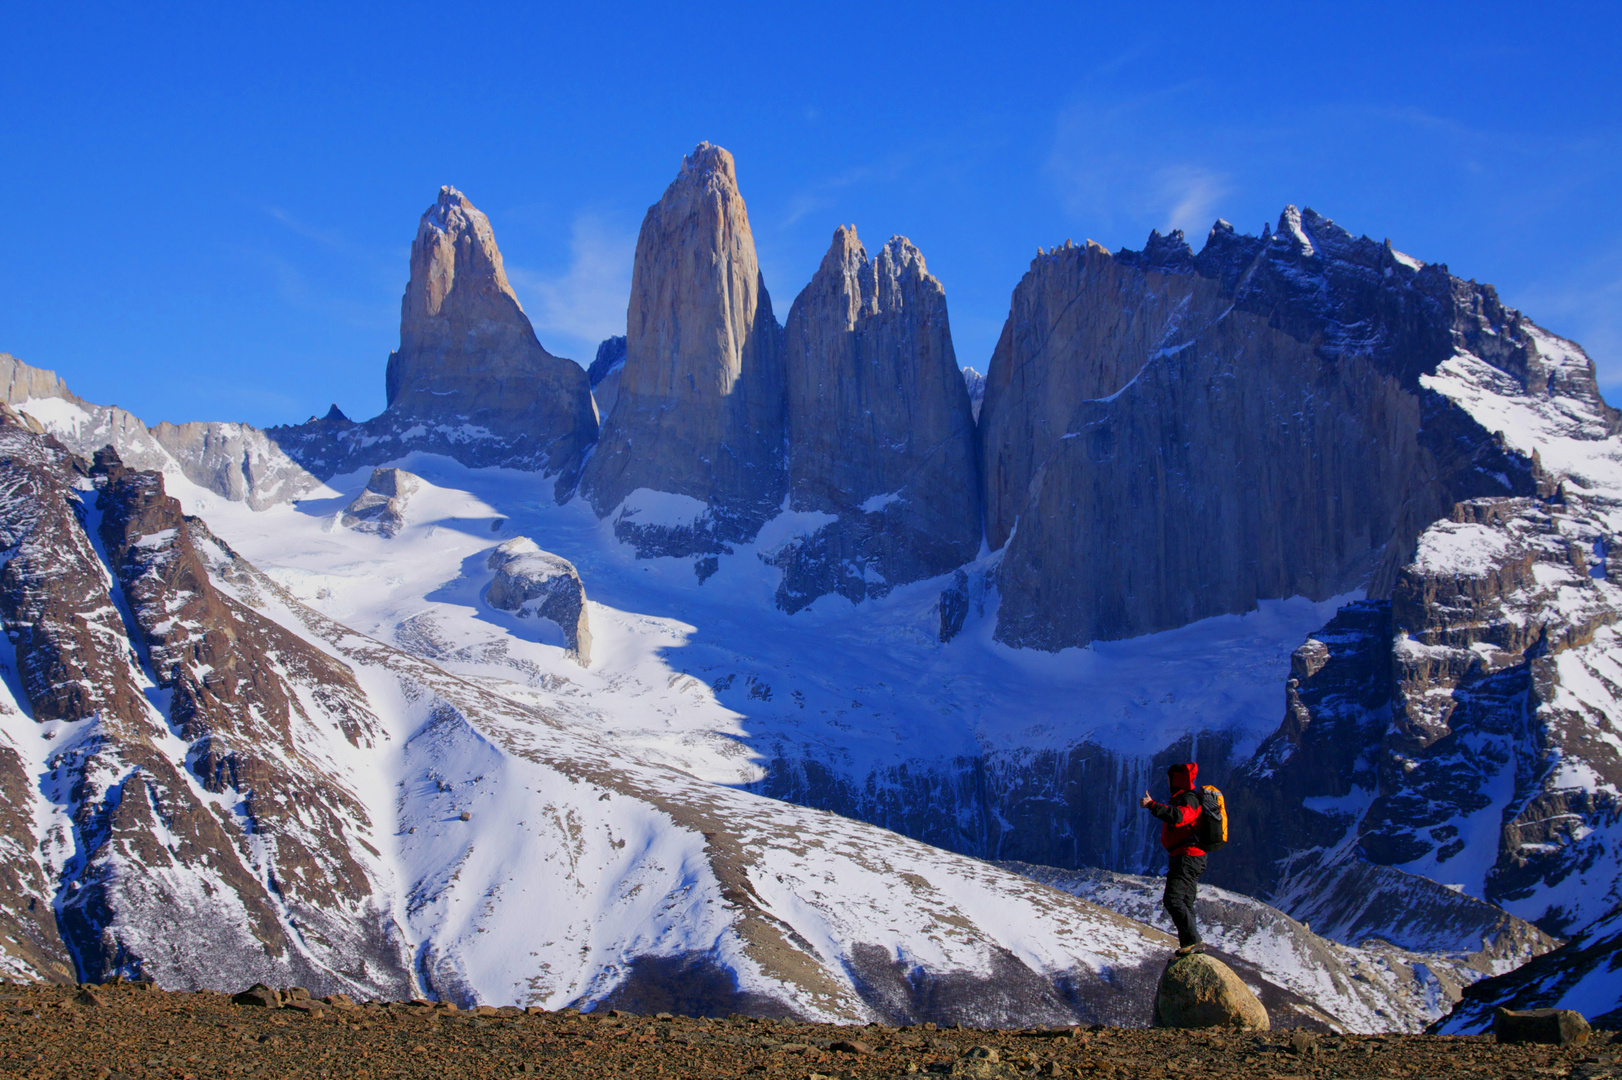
(829, 851)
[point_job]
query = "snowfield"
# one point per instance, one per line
(539, 830)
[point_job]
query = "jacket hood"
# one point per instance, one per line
(1183, 777)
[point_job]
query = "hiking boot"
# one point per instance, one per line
(1186, 950)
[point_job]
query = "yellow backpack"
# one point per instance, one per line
(1212, 825)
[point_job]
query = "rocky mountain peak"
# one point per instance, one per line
(709, 165)
(456, 252)
(701, 394)
(1290, 230)
(1170, 252)
(899, 266)
(468, 354)
(880, 428)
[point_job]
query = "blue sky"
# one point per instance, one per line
(210, 208)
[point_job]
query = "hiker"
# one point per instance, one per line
(1179, 836)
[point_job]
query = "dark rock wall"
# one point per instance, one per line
(1179, 436)
(1071, 807)
(880, 430)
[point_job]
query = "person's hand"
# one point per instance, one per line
(1147, 801)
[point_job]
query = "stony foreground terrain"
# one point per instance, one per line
(132, 1030)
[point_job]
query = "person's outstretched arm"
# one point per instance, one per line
(1177, 814)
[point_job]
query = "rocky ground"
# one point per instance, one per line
(135, 1031)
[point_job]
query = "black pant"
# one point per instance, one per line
(1182, 883)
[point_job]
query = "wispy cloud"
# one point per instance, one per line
(1193, 194)
(574, 310)
(290, 283)
(1106, 172)
(391, 257)
(819, 194)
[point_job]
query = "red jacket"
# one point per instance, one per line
(1177, 832)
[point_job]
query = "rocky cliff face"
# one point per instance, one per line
(604, 374)
(235, 461)
(175, 738)
(699, 409)
(469, 380)
(467, 351)
(880, 431)
(1464, 731)
(1178, 436)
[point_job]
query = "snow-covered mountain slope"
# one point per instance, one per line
(1448, 739)
(658, 691)
(224, 784)
(1372, 987)
(1583, 974)
(857, 708)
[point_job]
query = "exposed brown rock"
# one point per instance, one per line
(131, 803)
(699, 409)
(142, 1033)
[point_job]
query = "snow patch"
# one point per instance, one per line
(662, 509)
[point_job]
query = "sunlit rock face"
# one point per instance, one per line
(469, 380)
(1167, 437)
(880, 429)
(467, 350)
(699, 407)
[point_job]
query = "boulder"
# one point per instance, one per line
(1559, 1027)
(532, 583)
(381, 507)
(469, 360)
(980, 1063)
(880, 428)
(699, 409)
(1200, 991)
(260, 995)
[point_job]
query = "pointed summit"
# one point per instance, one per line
(699, 409)
(468, 354)
(880, 428)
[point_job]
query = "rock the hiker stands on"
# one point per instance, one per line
(1199, 991)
